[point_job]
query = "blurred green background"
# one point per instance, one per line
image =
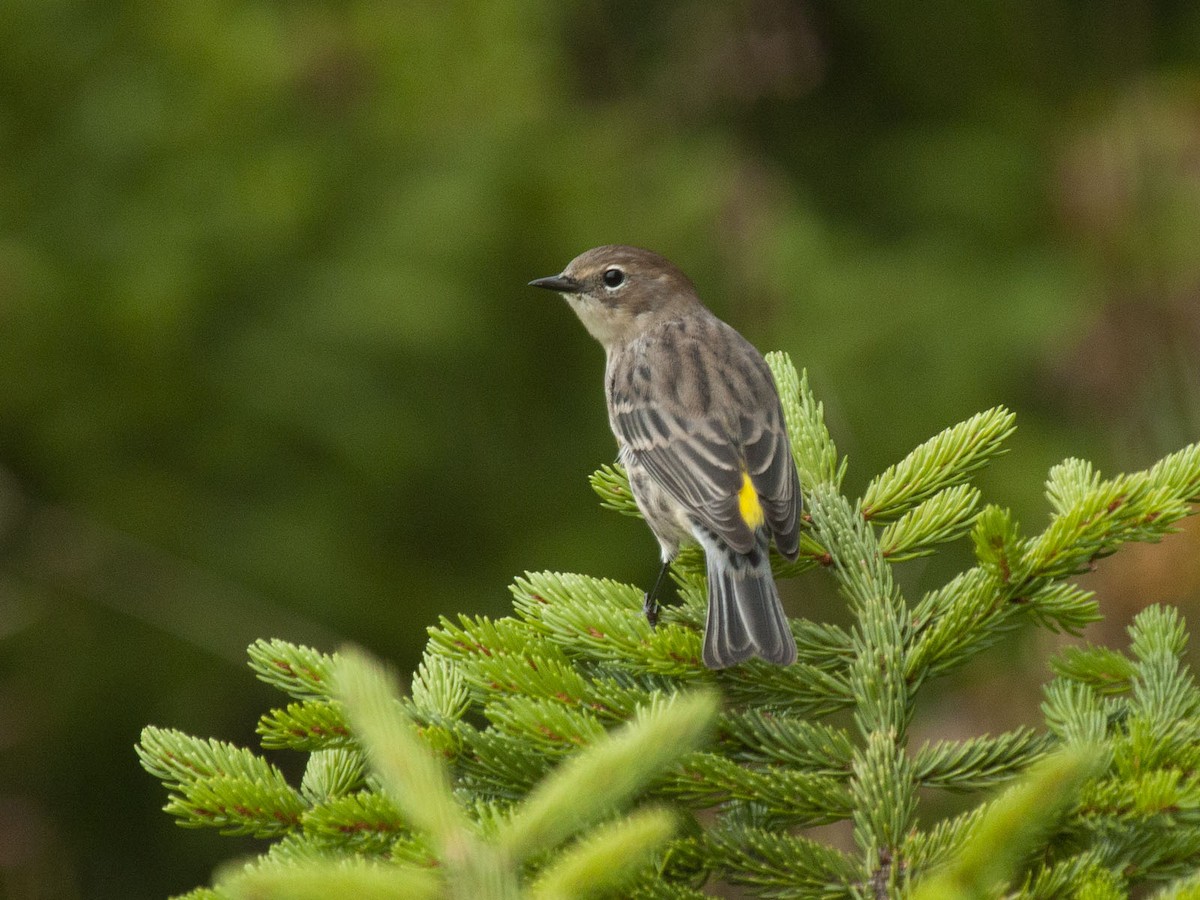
(269, 367)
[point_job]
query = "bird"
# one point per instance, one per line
(701, 434)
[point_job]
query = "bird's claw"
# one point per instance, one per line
(650, 609)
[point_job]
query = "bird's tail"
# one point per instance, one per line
(745, 617)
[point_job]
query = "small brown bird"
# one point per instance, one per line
(700, 432)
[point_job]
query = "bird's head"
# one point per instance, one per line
(618, 292)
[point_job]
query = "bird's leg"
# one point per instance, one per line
(650, 600)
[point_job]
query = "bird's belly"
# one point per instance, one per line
(666, 517)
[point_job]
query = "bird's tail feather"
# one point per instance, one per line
(745, 617)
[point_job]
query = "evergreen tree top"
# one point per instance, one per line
(571, 750)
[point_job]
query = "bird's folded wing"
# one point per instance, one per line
(695, 461)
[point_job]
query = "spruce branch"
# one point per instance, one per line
(977, 763)
(1103, 670)
(549, 726)
(800, 689)
(363, 879)
(755, 736)
(593, 784)
(943, 517)
(331, 773)
(603, 620)
(927, 851)
(779, 863)
(607, 859)
(786, 796)
(1092, 517)
(882, 783)
(311, 725)
(300, 671)
(611, 484)
(476, 636)
(236, 805)
(1011, 827)
(814, 450)
(940, 463)
(1079, 873)
(1060, 606)
(439, 690)
(509, 770)
(1074, 713)
(412, 778)
(214, 784)
(885, 803)
(1018, 576)
(366, 820)
(498, 765)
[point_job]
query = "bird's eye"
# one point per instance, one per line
(613, 278)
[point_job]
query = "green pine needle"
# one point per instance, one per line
(355, 877)
(511, 769)
(941, 462)
(606, 859)
(1013, 824)
(611, 484)
(944, 517)
(300, 671)
(602, 778)
(816, 456)
(412, 778)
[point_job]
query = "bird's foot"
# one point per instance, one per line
(650, 608)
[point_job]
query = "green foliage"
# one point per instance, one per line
(408, 817)
(942, 462)
(1011, 826)
(249, 386)
(571, 750)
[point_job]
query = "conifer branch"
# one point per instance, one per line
(771, 860)
(592, 785)
(363, 879)
(814, 450)
(312, 725)
(611, 484)
(977, 763)
(299, 671)
(882, 785)
(367, 820)
(508, 770)
(788, 797)
(607, 859)
(215, 784)
(941, 462)
(757, 736)
(331, 773)
(412, 778)
(944, 517)
(1027, 811)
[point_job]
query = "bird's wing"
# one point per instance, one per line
(768, 455)
(729, 463)
(693, 461)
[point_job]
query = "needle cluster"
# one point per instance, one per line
(570, 750)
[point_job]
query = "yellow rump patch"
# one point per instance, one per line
(748, 505)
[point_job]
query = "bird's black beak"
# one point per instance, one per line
(564, 284)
